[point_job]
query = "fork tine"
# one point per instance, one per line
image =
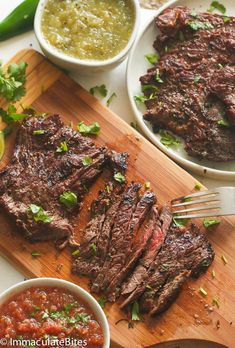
(203, 200)
(198, 194)
(209, 207)
(201, 215)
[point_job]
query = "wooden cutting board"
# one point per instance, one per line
(50, 90)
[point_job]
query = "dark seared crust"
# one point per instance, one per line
(198, 89)
(38, 175)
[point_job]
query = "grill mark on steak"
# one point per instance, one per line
(37, 174)
(134, 284)
(122, 221)
(188, 107)
(184, 252)
(121, 268)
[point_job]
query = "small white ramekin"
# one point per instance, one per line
(75, 289)
(85, 66)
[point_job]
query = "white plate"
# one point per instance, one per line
(137, 66)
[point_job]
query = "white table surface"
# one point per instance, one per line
(115, 82)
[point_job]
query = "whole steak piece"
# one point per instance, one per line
(191, 89)
(49, 160)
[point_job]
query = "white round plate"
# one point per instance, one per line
(137, 66)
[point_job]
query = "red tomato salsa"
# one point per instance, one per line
(49, 313)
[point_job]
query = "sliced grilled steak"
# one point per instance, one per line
(135, 284)
(124, 252)
(97, 233)
(43, 167)
(194, 82)
(184, 252)
(121, 224)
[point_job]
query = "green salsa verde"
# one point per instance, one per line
(92, 29)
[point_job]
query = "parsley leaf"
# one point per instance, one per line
(196, 25)
(168, 139)
(109, 101)
(63, 147)
(12, 83)
(87, 161)
(102, 90)
(152, 58)
(209, 222)
(39, 214)
(135, 311)
(216, 5)
(69, 199)
(158, 77)
(119, 177)
(94, 128)
(224, 123)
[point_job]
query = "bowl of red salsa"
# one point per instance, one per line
(49, 312)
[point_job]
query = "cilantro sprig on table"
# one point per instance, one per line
(12, 82)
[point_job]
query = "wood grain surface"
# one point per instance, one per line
(50, 90)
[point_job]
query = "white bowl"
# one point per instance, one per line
(75, 289)
(85, 66)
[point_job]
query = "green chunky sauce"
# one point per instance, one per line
(92, 29)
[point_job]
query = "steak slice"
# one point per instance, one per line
(185, 252)
(124, 251)
(135, 283)
(121, 224)
(192, 86)
(93, 250)
(43, 167)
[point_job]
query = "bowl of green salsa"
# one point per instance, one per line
(89, 36)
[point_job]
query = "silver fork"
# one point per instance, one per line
(218, 202)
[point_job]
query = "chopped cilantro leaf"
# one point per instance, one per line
(76, 252)
(224, 123)
(197, 186)
(197, 78)
(158, 77)
(196, 25)
(69, 199)
(119, 177)
(39, 214)
(87, 161)
(63, 147)
(102, 302)
(109, 101)
(216, 5)
(35, 253)
(180, 222)
(168, 139)
(39, 132)
(135, 311)
(209, 222)
(93, 129)
(148, 87)
(102, 90)
(93, 247)
(152, 58)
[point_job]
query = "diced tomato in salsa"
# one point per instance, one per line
(49, 313)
